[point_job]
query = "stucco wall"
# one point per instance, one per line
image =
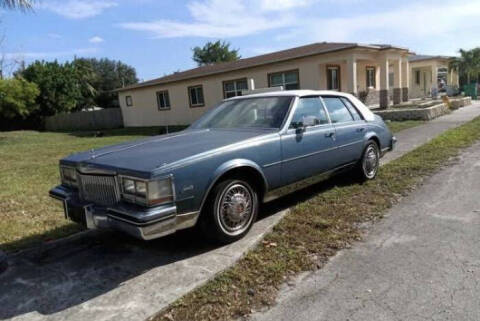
(312, 75)
(425, 67)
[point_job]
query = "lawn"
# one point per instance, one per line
(396, 126)
(29, 168)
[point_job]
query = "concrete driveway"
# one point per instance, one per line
(108, 276)
(422, 262)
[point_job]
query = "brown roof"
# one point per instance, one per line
(283, 55)
(427, 57)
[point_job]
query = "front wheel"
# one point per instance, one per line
(370, 161)
(231, 211)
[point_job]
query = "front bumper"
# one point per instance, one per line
(140, 222)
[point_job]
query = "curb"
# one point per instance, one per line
(3, 262)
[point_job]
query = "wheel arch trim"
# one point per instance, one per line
(229, 166)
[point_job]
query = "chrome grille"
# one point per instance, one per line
(101, 190)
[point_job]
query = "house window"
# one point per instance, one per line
(333, 77)
(195, 94)
(163, 100)
(417, 77)
(287, 79)
(371, 77)
(129, 101)
(234, 88)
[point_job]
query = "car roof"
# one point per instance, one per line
(299, 93)
(364, 110)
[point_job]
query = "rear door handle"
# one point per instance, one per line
(361, 129)
(329, 134)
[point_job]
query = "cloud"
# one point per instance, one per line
(78, 9)
(217, 19)
(95, 39)
(54, 35)
(420, 25)
(49, 54)
(276, 5)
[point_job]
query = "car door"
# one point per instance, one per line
(309, 141)
(349, 127)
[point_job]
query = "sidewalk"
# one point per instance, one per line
(411, 138)
(107, 276)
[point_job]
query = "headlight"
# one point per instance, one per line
(160, 191)
(68, 176)
(154, 192)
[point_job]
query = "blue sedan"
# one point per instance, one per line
(214, 174)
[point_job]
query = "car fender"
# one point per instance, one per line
(228, 166)
(371, 135)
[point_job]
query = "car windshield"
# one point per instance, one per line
(261, 112)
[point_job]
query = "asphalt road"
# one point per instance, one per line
(422, 262)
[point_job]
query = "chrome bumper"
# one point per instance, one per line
(142, 223)
(393, 143)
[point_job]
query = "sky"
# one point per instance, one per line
(157, 36)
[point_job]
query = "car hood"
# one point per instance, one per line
(148, 154)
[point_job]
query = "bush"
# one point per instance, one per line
(17, 98)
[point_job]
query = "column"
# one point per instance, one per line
(434, 86)
(405, 79)
(384, 100)
(352, 75)
(397, 81)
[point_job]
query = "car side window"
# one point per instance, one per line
(309, 110)
(337, 110)
(351, 108)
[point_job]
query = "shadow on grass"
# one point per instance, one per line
(63, 274)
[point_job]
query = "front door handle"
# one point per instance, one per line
(361, 129)
(329, 134)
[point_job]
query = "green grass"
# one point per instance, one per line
(323, 219)
(396, 126)
(29, 168)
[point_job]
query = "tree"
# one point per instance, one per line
(59, 87)
(467, 65)
(106, 76)
(17, 4)
(85, 77)
(214, 52)
(17, 97)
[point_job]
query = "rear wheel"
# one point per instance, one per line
(369, 163)
(230, 211)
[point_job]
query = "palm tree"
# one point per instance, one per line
(17, 4)
(468, 64)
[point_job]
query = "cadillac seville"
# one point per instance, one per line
(247, 150)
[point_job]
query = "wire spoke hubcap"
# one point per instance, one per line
(370, 161)
(235, 209)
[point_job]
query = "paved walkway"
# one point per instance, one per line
(107, 276)
(421, 262)
(411, 138)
